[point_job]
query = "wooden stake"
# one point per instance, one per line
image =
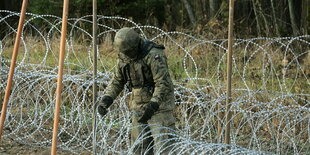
(60, 75)
(12, 66)
(220, 123)
(95, 73)
(229, 71)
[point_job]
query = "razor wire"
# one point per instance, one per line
(270, 104)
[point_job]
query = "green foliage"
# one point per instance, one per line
(142, 11)
(46, 7)
(252, 18)
(131, 8)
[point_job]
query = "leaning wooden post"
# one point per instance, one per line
(12, 66)
(95, 73)
(60, 74)
(229, 71)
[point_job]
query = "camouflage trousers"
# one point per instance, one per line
(155, 136)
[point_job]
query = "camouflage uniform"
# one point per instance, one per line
(146, 74)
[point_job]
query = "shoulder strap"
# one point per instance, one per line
(146, 47)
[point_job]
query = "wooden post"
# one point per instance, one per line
(229, 71)
(220, 123)
(60, 75)
(95, 73)
(12, 66)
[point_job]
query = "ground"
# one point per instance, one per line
(8, 147)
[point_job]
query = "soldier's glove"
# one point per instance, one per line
(148, 111)
(104, 104)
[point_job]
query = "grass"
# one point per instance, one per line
(259, 75)
(261, 72)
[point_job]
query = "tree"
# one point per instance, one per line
(293, 17)
(214, 7)
(274, 18)
(305, 16)
(12, 5)
(190, 12)
(271, 17)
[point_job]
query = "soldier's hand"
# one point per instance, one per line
(104, 104)
(148, 111)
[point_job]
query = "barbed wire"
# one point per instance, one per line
(270, 103)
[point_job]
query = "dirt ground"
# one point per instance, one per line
(8, 147)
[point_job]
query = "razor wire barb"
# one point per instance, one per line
(270, 103)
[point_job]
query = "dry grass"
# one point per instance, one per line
(261, 70)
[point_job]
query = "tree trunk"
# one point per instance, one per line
(173, 18)
(262, 14)
(256, 18)
(204, 8)
(275, 18)
(214, 7)
(293, 17)
(190, 12)
(305, 16)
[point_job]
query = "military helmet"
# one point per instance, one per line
(127, 41)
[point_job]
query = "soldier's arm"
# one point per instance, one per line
(117, 83)
(161, 77)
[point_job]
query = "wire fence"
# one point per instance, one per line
(270, 104)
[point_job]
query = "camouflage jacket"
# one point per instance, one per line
(150, 69)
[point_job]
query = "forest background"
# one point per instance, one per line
(207, 18)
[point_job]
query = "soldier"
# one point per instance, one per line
(142, 67)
